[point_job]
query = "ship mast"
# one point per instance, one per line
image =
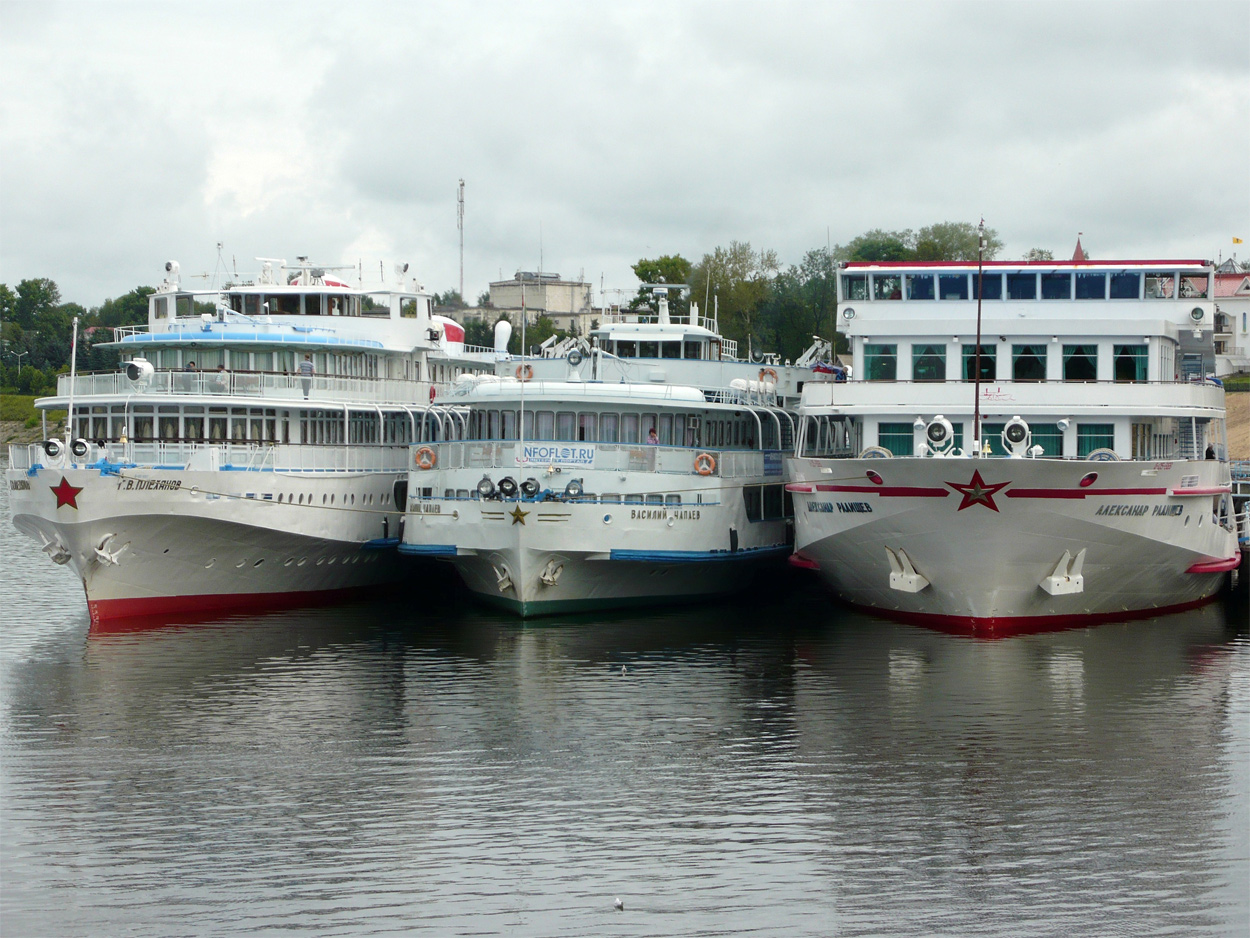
(976, 366)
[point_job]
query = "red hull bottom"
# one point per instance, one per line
(120, 615)
(1006, 626)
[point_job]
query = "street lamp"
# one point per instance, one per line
(18, 356)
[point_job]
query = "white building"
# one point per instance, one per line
(1232, 319)
(567, 303)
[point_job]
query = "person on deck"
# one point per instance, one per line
(306, 372)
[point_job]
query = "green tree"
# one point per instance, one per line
(35, 298)
(738, 276)
(670, 269)
(954, 241)
(128, 310)
(1039, 254)
(483, 299)
(879, 245)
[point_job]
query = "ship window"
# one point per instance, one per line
(492, 425)
(566, 423)
(629, 428)
(670, 349)
(546, 425)
(609, 428)
(886, 287)
(666, 430)
(1194, 287)
(752, 501)
(648, 349)
(1160, 286)
(855, 287)
(251, 304)
(1130, 362)
(920, 286)
(989, 368)
(1022, 286)
(1080, 363)
(896, 437)
(283, 305)
(586, 428)
(953, 286)
(692, 350)
(1028, 362)
(1125, 286)
(655, 499)
(673, 501)
(881, 362)
(1092, 436)
(160, 307)
(186, 306)
(1056, 286)
(991, 285)
(627, 349)
(1091, 286)
(928, 363)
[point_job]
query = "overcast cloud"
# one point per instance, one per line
(591, 135)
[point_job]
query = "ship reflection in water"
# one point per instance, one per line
(783, 767)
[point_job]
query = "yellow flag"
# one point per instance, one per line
(1236, 240)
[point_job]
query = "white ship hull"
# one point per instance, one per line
(539, 558)
(151, 542)
(991, 545)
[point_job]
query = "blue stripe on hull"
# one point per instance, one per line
(699, 556)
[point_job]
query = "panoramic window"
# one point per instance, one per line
(1022, 286)
(898, 438)
(928, 362)
(991, 286)
(1091, 286)
(1160, 286)
(1194, 287)
(565, 424)
(887, 287)
(953, 286)
(920, 286)
(989, 369)
(1056, 286)
(881, 362)
(1125, 286)
(1080, 363)
(608, 428)
(1028, 362)
(1130, 362)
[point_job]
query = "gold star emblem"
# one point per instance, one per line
(518, 515)
(977, 492)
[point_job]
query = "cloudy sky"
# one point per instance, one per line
(591, 135)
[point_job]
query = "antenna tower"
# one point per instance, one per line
(460, 225)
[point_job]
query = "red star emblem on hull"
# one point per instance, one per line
(66, 494)
(977, 492)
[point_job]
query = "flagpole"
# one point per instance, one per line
(73, 363)
(976, 366)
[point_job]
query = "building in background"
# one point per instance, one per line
(1232, 319)
(567, 303)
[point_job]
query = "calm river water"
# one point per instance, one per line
(774, 767)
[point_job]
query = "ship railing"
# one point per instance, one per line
(246, 457)
(247, 384)
(569, 457)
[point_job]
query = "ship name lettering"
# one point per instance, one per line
(1131, 511)
(149, 485)
(662, 514)
(820, 506)
(427, 509)
(854, 507)
(1173, 511)
(19, 485)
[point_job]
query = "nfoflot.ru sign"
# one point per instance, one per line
(559, 454)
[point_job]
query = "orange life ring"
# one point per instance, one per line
(705, 464)
(432, 392)
(769, 374)
(425, 458)
(524, 372)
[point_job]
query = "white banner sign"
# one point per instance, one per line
(559, 454)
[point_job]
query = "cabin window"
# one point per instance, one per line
(953, 286)
(881, 362)
(566, 425)
(648, 349)
(1130, 362)
(492, 425)
(314, 305)
(629, 428)
(1092, 436)
(1080, 363)
(670, 350)
(238, 424)
(1125, 286)
(920, 287)
(989, 367)
(546, 429)
(672, 501)
(1160, 286)
(666, 430)
(1022, 286)
(1046, 435)
(1091, 286)
(1194, 287)
(928, 362)
(887, 287)
(217, 423)
(185, 306)
(990, 286)
(282, 305)
(1056, 286)
(586, 428)
(1028, 362)
(160, 307)
(609, 428)
(193, 426)
(896, 437)
(855, 287)
(692, 350)
(753, 501)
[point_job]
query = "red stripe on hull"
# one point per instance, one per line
(1078, 493)
(991, 627)
(133, 614)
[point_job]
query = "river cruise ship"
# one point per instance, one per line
(559, 496)
(1069, 467)
(250, 453)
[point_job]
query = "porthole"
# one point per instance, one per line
(289, 561)
(279, 498)
(320, 561)
(331, 499)
(323, 498)
(210, 563)
(302, 561)
(239, 565)
(259, 562)
(301, 498)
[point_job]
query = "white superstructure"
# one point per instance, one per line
(1080, 474)
(556, 496)
(251, 451)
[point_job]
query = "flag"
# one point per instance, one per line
(1236, 240)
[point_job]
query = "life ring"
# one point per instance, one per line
(433, 392)
(524, 372)
(767, 374)
(425, 458)
(705, 464)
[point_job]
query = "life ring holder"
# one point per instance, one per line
(433, 392)
(524, 372)
(705, 464)
(425, 458)
(768, 374)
